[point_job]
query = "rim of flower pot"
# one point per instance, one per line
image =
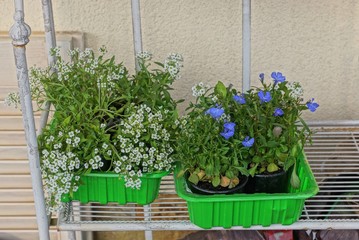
(272, 174)
(198, 190)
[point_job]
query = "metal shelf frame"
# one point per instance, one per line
(334, 154)
(334, 160)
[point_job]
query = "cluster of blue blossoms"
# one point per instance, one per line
(264, 97)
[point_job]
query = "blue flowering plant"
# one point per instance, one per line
(272, 115)
(212, 148)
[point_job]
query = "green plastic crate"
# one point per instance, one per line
(108, 187)
(250, 209)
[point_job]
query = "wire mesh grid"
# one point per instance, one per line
(334, 160)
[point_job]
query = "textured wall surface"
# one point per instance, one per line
(313, 42)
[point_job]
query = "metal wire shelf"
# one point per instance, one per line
(334, 159)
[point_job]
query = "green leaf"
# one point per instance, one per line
(229, 174)
(253, 170)
(272, 167)
(216, 181)
(272, 144)
(294, 179)
(220, 89)
(67, 120)
(181, 173)
(256, 159)
(193, 178)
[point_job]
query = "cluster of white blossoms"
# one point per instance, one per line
(200, 89)
(146, 56)
(13, 98)
(173, 64)
(60, 161)
(296, 89)
(109, 82)
(143, 145)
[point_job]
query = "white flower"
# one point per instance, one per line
(102, 125)
(98, 158)
(104, 146)
(144, 55)
(199, 89)
(132, 173)
(71, 134)
(77, 140)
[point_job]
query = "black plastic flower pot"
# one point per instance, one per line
(276, 182)
(206, 188)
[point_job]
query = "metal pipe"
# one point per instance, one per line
(186, 225)
(20, 33)
(137, 43)
(136, 26)
(50, 43)
(246, 45)
(334, 123)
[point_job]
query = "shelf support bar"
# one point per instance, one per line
(20, 33)
(137, 43)
(50, 43)
(246, 45)
(136, 26)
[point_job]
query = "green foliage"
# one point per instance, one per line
(201, 148)
(94, 99)
(267, 136)
(278, 137)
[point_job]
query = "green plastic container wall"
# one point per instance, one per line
(250, 209)
(108, 187)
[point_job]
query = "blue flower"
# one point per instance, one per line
(278, 112)
(261, 77)
(228, 130)
(278, 77)
(215, 112)
(248, 142)
(239, 99)
(264, 97)
(312, 106)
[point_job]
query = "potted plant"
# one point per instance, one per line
(279, 131)
(219, 140)
(210, 146)
(104, 116)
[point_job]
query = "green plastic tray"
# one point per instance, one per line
(250, 209)
(109, 187)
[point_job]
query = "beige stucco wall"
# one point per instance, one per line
(314, 42)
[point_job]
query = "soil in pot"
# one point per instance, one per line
(276, 182)
(206, 188)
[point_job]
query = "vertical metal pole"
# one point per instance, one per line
(50, 43)
(137, 43)
(246, 45)
(136, 26)
(20, 33)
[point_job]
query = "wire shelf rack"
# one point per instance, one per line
(334, 159)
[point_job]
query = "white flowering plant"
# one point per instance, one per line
(145, 141)
(101, 115)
